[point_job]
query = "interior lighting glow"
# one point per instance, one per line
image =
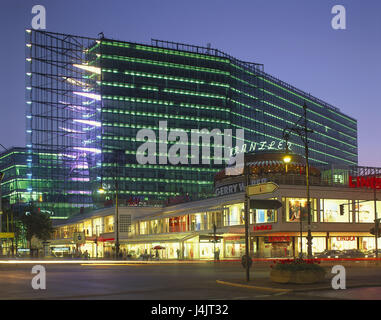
(88, 68)
(89, 122)
(89, 95)
(95, 150)
(70, 130)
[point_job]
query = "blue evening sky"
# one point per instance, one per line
(292, 38)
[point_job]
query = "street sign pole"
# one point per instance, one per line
(247, 224)
(252, 190)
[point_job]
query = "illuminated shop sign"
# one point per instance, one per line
(229, 189)
(236, 187)
(259, 146)
(345, 238)
(368, 182)
(263, 227)
(278, 239)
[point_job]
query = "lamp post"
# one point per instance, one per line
(96, 242)
(246, 208)
(302, 131)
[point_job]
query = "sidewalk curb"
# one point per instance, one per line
(252, 287)
(234, 284)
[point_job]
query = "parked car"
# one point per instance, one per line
(353, 253)
(329, 254)
(372, 253)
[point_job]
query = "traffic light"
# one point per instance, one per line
(341, 209)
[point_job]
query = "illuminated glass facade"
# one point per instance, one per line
(104, 91)
(15, 181)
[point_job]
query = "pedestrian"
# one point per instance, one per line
(178, 254)
(217, 254)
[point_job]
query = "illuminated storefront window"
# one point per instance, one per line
(87, 228)
(369, 243)
(207, 248)
(236, 215)
(178, 224)
(143, 227)
(109, 224)
(365, 211)
(153, 226)
(297, 207)
(195, 222)
(234, 247)
(97, 226)
(264, 216)
(330, 210)
(344, 243)
(191, 248)
(318, 244)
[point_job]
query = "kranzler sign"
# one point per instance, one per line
(260, 146)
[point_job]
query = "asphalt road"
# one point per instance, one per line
(154, 282)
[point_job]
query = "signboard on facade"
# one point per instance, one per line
(260, 146)
(367, 182)
(278, 239)
(263, 227)
(236, 187)
(345, 238)
(229, 189)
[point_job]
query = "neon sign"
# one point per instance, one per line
(259, 146)
(368, 182)
(345, 238)
(263, 227)
(278, 239)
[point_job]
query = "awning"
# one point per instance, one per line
(271, 163)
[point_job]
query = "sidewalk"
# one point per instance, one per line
(262, 282)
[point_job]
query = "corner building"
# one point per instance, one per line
(122, 87)
(186, 230)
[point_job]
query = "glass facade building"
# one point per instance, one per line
(15, 183)
(88, 98)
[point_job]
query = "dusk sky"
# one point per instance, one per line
(292, 38)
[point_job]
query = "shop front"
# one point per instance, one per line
(208, 245)
(234, 246)
(273, 246)
(344, 243)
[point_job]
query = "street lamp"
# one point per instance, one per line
(287, 159)
(302, 131)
